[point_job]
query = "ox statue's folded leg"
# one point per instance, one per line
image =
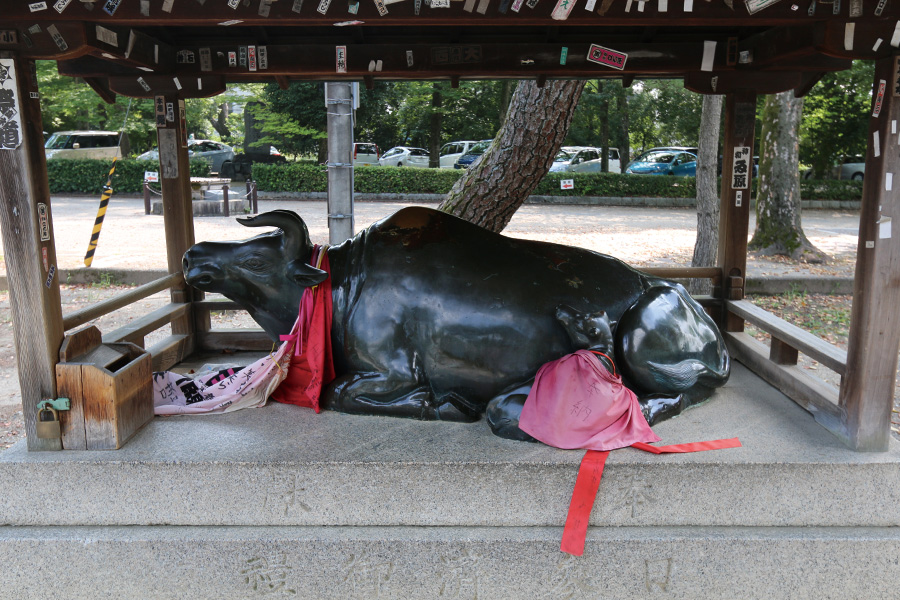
(387, 395)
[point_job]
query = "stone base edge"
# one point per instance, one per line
(508, 563)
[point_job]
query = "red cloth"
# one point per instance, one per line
(588, 483)
(576, 403)
(312, 363)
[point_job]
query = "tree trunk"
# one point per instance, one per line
(506, 90)
(219, 123)
(434, 144)
(778, 229)
(625, 149)
(707, 245)
(322, 155)
(496, 184)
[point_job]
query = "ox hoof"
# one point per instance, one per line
(659, 407)
(503, 414)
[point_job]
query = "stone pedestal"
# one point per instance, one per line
(279, 500)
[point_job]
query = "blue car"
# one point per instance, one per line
(665, 161)
(469, 157)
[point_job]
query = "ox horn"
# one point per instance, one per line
(296, 235)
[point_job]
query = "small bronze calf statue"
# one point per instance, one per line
(436, 318)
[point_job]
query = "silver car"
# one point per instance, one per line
(404, 156)
(216, 153)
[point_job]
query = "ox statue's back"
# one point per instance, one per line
(437, 318)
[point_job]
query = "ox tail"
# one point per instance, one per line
(689, 373)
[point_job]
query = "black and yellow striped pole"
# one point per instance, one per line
(101, 212)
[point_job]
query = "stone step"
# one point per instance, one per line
(285, 466)
(506, 563)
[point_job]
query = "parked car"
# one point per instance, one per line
(365, 154)
(86, 144)
(404, 156)
(473, 153)
(570, 156)
(219, 155)
(850, 167)
(665, 161)
(585, 160)
(451, 152)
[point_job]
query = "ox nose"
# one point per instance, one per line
(198, 275)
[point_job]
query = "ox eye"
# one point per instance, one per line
(254, 264)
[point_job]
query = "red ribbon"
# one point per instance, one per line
(588, 482)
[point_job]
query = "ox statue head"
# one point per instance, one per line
(265, 274)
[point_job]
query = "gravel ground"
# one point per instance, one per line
(641, 236)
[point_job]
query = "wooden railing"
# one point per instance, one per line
(167, 352)
(777, 364)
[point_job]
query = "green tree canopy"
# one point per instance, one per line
(835, 117)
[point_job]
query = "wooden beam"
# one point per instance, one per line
(867, 394)
(29, 247)
(178, 212)
(80, 317)
(155, 85)
(129, 46)
(734, 214)
(734, 81)
(807, 82)
(829, 355)
(101, 87)
(403, 13)
(813, 394)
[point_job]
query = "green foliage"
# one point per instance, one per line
(618, 185)
(835, 117)
(405, 180)
(68, 103)
(598, 101)
(300, 177)
(89, 176)
(290, 177)
(662, 113)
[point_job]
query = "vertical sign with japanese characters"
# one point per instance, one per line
(160, 106)
(10, 118)
(740, 170)
(340, 59)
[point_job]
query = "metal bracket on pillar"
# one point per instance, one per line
(338, 165)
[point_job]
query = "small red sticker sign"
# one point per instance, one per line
(606, 56)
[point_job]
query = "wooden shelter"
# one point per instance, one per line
(177, 49)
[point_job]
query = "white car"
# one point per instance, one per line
(365, 154)
(595, 165)
(451, 152)
(404, 156)
(85, 144)
(580, 159)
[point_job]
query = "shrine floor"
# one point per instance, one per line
(280, 500)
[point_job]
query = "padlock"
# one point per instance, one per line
(47, 425)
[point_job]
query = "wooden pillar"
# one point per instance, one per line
(339, 106)
(178, 215)
(734, 213)
(28, 244)
(867, 390)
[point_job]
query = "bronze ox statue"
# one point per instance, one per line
(437, 318)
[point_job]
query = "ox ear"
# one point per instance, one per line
(305, 275)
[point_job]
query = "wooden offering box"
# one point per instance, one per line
(110, 387)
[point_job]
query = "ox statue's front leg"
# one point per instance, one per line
(393, 394)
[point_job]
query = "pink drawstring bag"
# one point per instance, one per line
(576, 403)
